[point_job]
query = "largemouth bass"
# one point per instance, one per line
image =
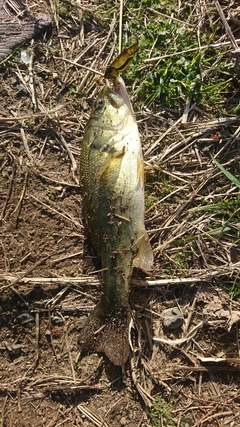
(112, 183)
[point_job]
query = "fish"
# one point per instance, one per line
(112, 192)
(122, 62)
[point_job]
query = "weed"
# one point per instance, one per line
(161, 413)
(233, 288)
(187, 69)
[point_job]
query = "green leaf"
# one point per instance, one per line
(231, 177)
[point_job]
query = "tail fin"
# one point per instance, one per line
(107, 334)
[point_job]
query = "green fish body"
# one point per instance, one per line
(112, 182)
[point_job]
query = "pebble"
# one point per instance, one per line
(25, 318)
(57, 320)
(123, 421)
(172, 318)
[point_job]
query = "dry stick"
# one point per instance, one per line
(54, 261)
(34, 115)
(225, 23)
(50, 334)
(161, 200)
(180, 53)
(111, 408)
(19, 399)
(18, 279)
(174, 146)
(70, 356)
(90, 280)
(25, 144)
(148, 400)
(177, 213)
(190, 313)
(37, 335)
(77, 224)
(211, 417)
(155, 144)
(3, 408)
(120, 27)
(71, 157)
(32, 83)
(62, 183)
(2, 216)
(187, 24)
(80, 65)
(92, 417)
(236, 52)
(99, 53)
(18, 208)
(179, 341)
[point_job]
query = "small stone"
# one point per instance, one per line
(16, 350)
(80, 323)
(25, 57)
(25, 319)
(57, 320)
(123, 421)
(172, 318)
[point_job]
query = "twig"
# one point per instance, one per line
(182, 52)
(39, 114)
(155, 144)
(3, 408)
(80, 66)
(77, 224)
(190, 312)
(48, 334)
(120, 27)
(32, 83)
(172, 18)
(18, 208)
(71, 157)
(205, 419)
(70, 355)
(37, 336)
(90, 280)
(2, 216)
(19, 400)
(25, 143)
(63, 258)
(18, 279)
(225, 23)
(180, 341)
(92, 417)
(62, 183)
(148, 400)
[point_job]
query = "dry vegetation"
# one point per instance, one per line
(187, 376)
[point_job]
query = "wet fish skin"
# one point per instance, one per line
(112, 182)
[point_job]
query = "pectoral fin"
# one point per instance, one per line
(112, 155)
(144, 257)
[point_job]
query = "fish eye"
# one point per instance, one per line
(100, 104)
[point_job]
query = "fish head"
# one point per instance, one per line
(113, 106)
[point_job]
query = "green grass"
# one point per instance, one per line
(161, 414)
(203, 75)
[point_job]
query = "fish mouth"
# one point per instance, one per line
(120, 89)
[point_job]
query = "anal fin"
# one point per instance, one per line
(144, 257)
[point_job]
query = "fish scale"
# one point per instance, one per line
(112, 187)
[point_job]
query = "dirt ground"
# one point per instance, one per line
(188, 376)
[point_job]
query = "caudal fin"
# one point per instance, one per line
(107, 334)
